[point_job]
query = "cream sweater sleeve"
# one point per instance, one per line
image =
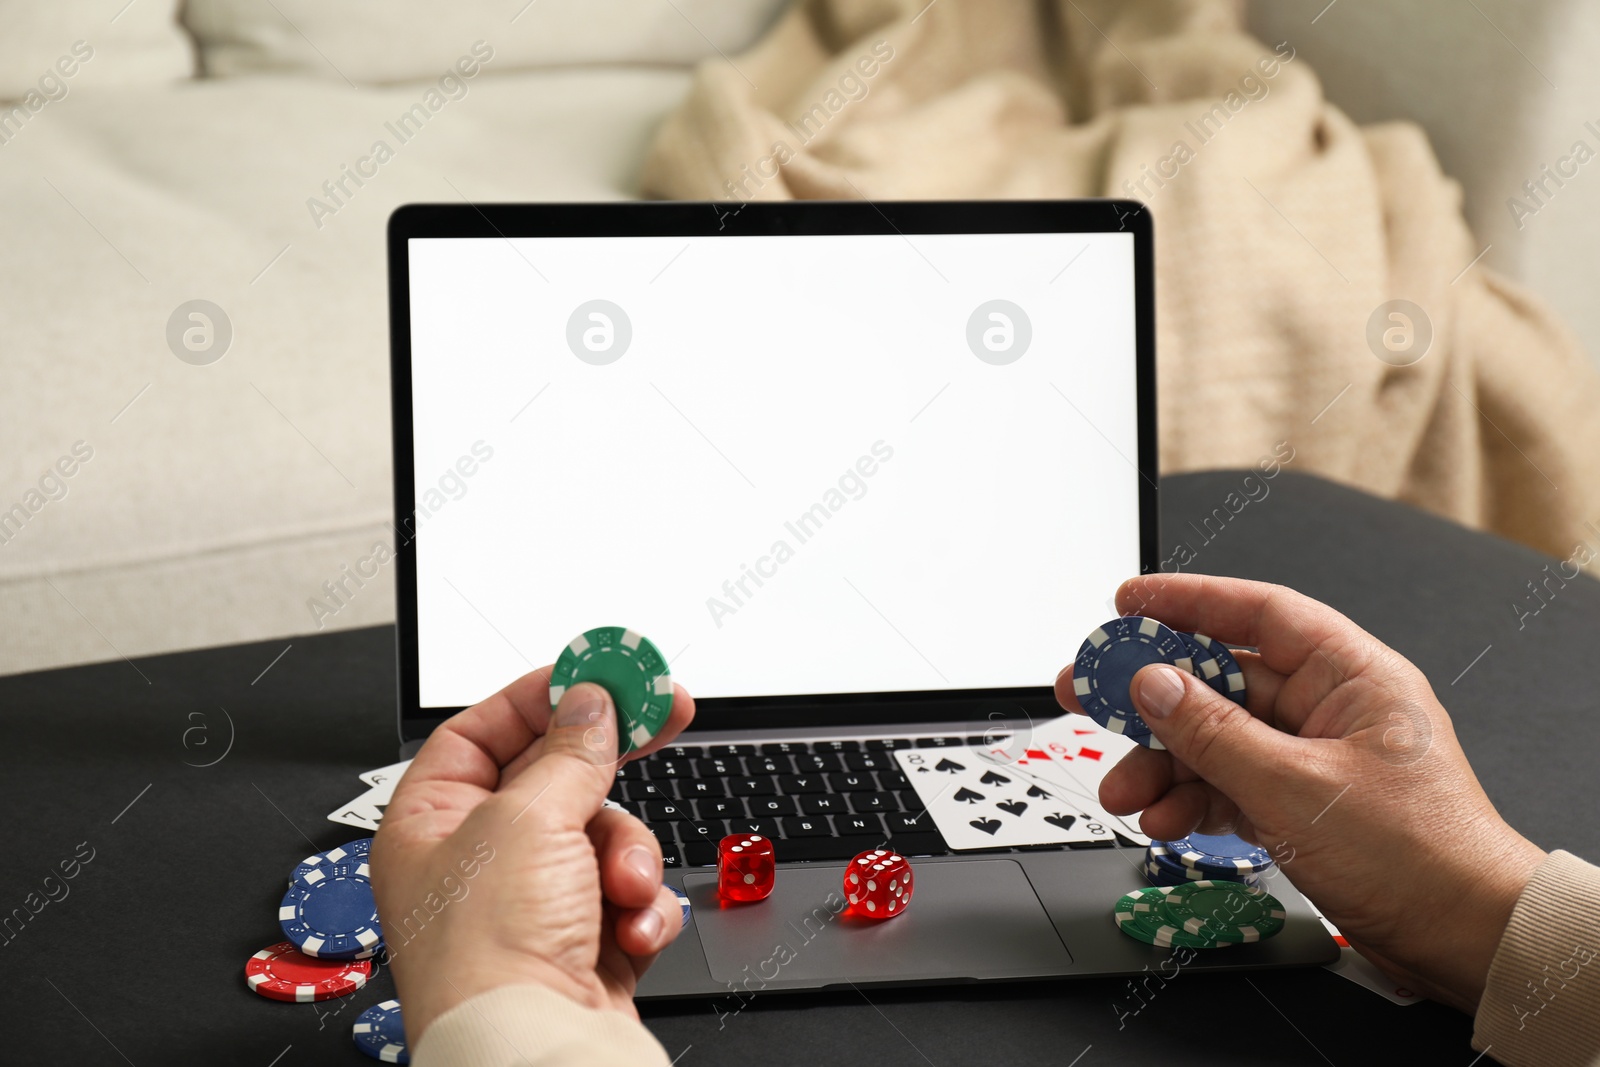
(531, 1026)
(1542, 1002)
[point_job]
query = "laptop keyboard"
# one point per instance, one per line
(819, 800)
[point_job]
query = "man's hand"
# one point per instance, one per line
(496, 864)
(1343, 765)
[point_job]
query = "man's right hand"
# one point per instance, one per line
(1342, 764)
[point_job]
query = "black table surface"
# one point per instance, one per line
(197, 780)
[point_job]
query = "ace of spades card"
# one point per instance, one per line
(976, 805)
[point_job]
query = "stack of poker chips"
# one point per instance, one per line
(1202, 914)
(1109, 657)
(331, 921)
(1204, 857)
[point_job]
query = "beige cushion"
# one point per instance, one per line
(48, 48)
(219, 498)
(376, 41)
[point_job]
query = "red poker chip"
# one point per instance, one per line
(283, 972)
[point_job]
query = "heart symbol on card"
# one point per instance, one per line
(949, 766)
(1063, 821)
(1013, 807)
(994, 778)
(988, 826)
(967, 796)
(1039, 794)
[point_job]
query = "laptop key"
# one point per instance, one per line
(888, 743)
(659, 768)
(717, 767)
(856, 825)
(909, 822)
(647, 790)
(888, 779)
(631, 771)
(730, 750)
(836, 746)
(802, 783)
(873, 802)
(773, 806)
(695, 788)
(700, 831)
(683, 751)
(768, 765)
(819, 761)
(664, 811)
(939, 742)
(764, 827)
(806, 826)
(852, 782)
(752, 787)
(616, 793)
(671, 858)
(720, 808)
(784, 748)
(867, 761)
(819, 848)
(822, 804)
(699, 853)
(989, 740)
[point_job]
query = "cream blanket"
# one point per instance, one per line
(1281, 228)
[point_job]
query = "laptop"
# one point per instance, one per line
(866, 473)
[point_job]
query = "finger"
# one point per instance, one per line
(643, 932)
(1221, 741)
(564, 788)
(1138, 780)
(473, 745)
(629, 856)
(1261, 685)
(1176, 812)
(1287, 627)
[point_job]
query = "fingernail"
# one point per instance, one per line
(1160, 689)
(639, 858)
(650, 925)
(583, 705)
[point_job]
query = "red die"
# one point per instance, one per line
(746, 867)
(878, 884)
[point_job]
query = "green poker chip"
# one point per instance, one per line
(1138, 914)
(630, 668)
(1223, 911)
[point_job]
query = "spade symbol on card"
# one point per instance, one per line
(967, 796)
(1063, 821)
(1039, 794)
(994, 778)
(988, 826)
(1013, 807)
(949, 766)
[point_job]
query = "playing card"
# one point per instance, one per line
(366, 810)
(1072, 753)
(1353, 966)
(380, 775)
(977, 805)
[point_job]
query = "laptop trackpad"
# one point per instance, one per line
(977, 919)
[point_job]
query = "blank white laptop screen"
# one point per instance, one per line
(799, 464)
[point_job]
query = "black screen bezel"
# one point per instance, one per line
(713, 219)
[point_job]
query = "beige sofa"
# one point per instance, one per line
(158, 492)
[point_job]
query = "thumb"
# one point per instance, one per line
(1204, 730)
(577, 761)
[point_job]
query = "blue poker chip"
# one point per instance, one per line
(1106, 664)
(381, 1033)
(1201, 663)
(1230, 679)
(1219, 855)
(329, 913)
(1162, 869)
(683, 902)
(354, 850)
